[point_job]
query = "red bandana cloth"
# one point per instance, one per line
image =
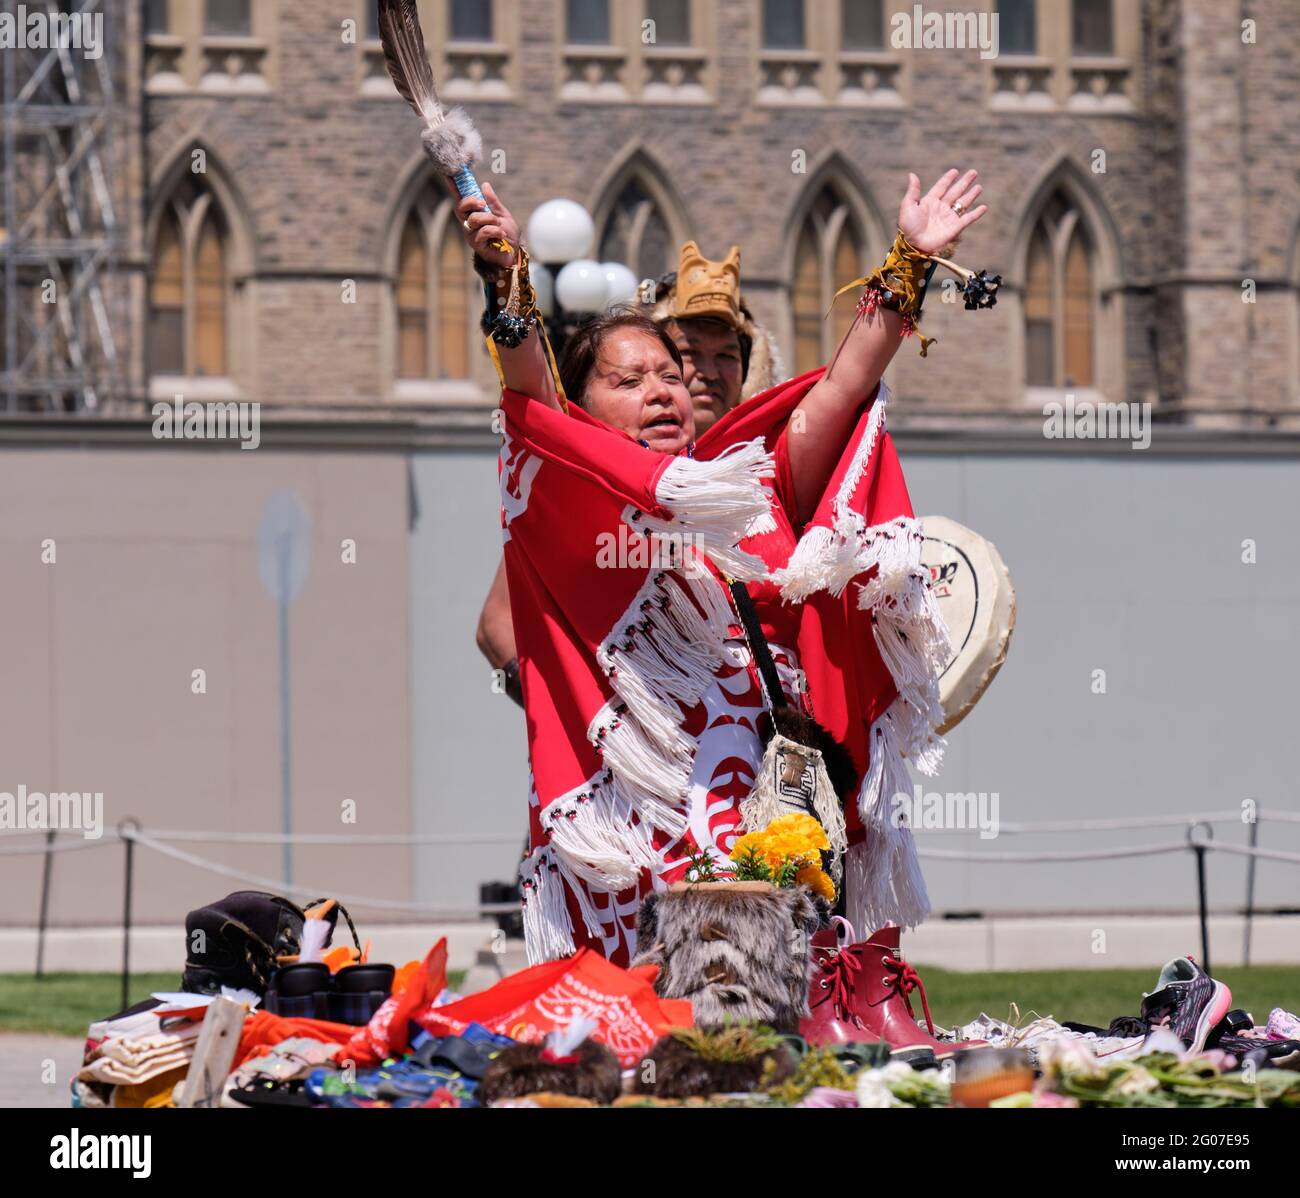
(526, 1006)
(627, 639)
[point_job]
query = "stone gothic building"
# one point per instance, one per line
(280, 238)
(231, 203)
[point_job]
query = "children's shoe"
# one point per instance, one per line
(1282, 1025)
(860, 992)
(1187, 1001)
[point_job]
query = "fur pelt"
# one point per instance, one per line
(735, 954)
(766, 368)
(680, 1072)
(453, 143)
(520, 1070)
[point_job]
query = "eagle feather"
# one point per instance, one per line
(406, 58)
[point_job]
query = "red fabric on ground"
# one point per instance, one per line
(263, 1030)
(530, 1004)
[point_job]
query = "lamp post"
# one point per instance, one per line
(570, 285)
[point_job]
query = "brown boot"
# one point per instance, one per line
(860, 992)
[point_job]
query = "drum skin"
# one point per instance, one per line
(971, 583)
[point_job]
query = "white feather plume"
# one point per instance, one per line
(453, 142)
(315, 935)
(565, 1041)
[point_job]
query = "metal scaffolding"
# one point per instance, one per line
(61, 302)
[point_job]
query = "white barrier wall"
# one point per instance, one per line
(1132, 566)
(122, 573)
(1128, 565)
(470, 762)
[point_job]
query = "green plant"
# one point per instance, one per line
(730, 1042)
(819, 1068)
(703, 868)
(752, 866)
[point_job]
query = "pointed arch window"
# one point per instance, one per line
(434, 282)
(1060, 304)
(829, 253)
(636, 233)
(189, 286)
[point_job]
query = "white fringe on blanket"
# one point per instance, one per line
(548, 926)
(883, 875)
(827, 559)
(595, 836)
(643, 780)
(660, 658)
(911, 636)
(716, 504)
(663, 651)
(883, 879)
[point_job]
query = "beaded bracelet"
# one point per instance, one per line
(900, 284)
(508, 319)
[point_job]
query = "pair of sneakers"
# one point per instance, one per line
(1195, 1007)
(1186, 1001)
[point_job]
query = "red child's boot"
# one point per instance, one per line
(833, 1017)
(859, 991)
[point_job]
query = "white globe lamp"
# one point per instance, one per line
(620, 283)
(560, 231)
(581, 287)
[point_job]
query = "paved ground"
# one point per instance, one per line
(27, 1065)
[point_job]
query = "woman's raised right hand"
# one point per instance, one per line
(485, 231)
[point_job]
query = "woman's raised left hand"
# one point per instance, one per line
(933, 220)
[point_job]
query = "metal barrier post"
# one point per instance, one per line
(126, 829)
(44, 919)
(1250, 890)
(1198, 847)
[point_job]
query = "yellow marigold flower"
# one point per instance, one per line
(817, 880)
(800, 825)
(789, 845)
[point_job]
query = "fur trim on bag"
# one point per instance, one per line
(736, 954)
